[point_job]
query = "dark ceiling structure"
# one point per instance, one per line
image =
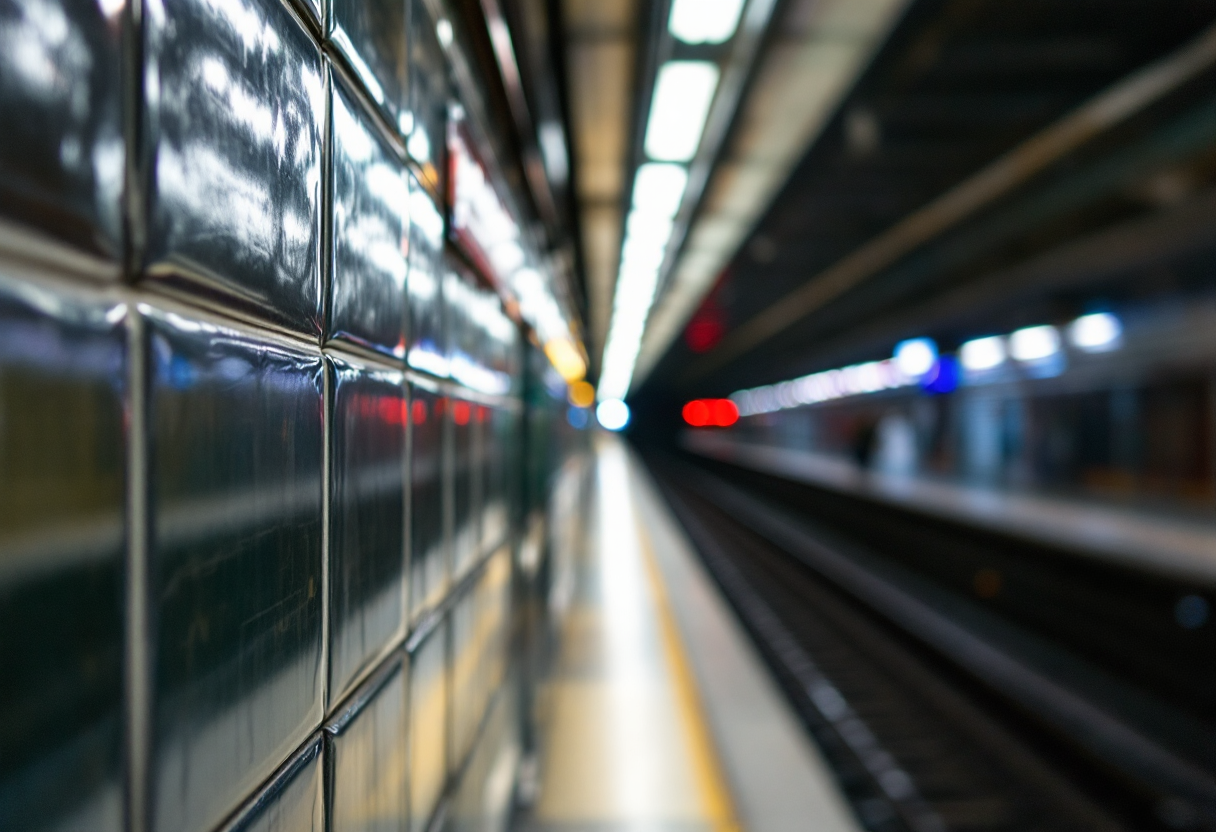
(986, 146)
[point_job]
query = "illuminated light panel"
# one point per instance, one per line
(982, 353)
(704, 21)
(612, 414)
(1098, 332)
(828, 385)
(916, 357)
(658, 188)
(1034, 343)
(682, 95)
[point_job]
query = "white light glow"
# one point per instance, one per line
(704, 21)
(854, 380)
(1098, 332)
(658, 189)
(982, 353)
(683, 92)
(1034, 343)
(916, 356)
(612, 414)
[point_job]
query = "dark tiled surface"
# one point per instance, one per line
(62, 532)
(426, 138)
(293, 801)
(235, 428)
(367, 510)
(497, 437)
(465, 481)
(427, 340)
(370, 232)
(368, 749)
(428, 561)
(465, 675)
(235, 112)
(280, 475)
(62, 152)
(371, 37)
(428, 720)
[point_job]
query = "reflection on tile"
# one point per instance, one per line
(236, 490)
(62, 153)
(428, 714)
(371, 36)
(369, 759)
(428, 563)
(370, 232)
(367, 508)
(293, 801)
(428, 344)
(236, 104)
(62, 462)
(427, 139)
(497, 441)
(465, 486)
(493, 609)
(466, 689)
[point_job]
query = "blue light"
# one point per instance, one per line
(577, 417)
(943, 377)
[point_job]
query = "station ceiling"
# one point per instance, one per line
(855, 118)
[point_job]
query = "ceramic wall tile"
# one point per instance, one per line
(427, 339)
(235, 99)
(370, 232)
(371, 35)
(367, 509)
(428, 550)
(62, 152)
(428, 720)
(293, 801)
(369, 758)
(62, 534)
(426, 140)
(466, 484)
(236, 438)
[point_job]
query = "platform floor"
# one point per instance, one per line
(659, 714)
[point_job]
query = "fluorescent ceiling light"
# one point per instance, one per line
(916, 356)
(704, 21)
(1034, 343)
(683, 92)
(658, 189)
(982, 353)
(1098, 332)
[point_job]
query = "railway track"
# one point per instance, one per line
(938, 712)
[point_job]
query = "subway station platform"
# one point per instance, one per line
(658, 715)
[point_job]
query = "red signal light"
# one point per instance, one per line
(725, 413)
(697, 413)
(720, 413)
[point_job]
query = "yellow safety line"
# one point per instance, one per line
(706, 762)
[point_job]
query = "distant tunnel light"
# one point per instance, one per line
(720, 413)
(1098, 332)
(982, 353)
(704, 21)
(683, 92)
(612, 414)
(1034, 343)
(916, 356)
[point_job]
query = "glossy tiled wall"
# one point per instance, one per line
(256, 524)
